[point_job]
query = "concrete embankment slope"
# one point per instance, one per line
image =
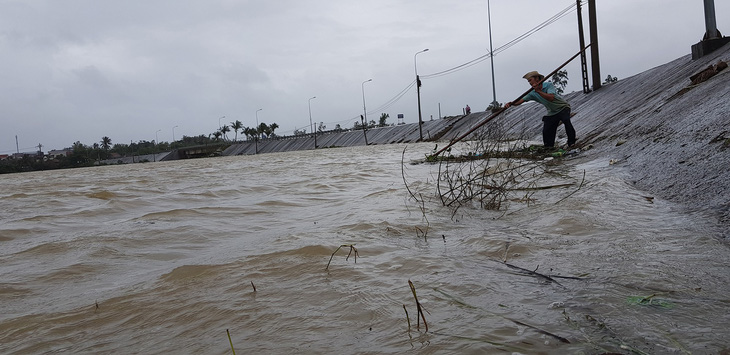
(672, 142)
(673, 139)
(407, 133)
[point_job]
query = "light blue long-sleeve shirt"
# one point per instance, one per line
(553, 107)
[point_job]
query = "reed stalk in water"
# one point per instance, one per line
(418, 306)
(230, 341)
(408, 318)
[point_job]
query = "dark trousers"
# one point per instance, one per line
(550, 127)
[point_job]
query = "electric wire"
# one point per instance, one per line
(562, 13)
(506, 46)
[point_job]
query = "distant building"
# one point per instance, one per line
(58, 153)
(27, 155)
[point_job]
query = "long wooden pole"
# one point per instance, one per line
(504, 108)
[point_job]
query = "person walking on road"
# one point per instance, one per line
(558, 110)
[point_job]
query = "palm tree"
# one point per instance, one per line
(249, 132)
(236, 126)
(225, 129)
(217, 135)
(383, 117)
(106, 142)
(273, 127)
(263, 128)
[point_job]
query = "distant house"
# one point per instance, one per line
(58, 153)
(27, 154)
(4, 156)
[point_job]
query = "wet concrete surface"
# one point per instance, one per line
(671, 141)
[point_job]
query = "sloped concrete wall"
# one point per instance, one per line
(406, 133)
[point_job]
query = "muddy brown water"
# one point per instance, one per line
(160, 258)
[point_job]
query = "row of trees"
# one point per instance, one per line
(82, 155)
(263, 130)
(357, 126)
(86, 154)
(105, 149)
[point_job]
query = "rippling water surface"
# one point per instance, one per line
(164, 257)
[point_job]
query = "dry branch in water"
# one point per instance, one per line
(352, 249)
(493, 172)
(421, 200)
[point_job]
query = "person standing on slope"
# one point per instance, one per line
(558, 109)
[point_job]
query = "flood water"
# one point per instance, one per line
(164, 257)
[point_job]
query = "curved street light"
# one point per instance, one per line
(310, 121)
(418, 93)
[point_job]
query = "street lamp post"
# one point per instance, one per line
(257, 120)
(418, 93)
(219, 122)
(154, 155)
(314, 131)
(173, 134)
(364, 110)
(256, 141)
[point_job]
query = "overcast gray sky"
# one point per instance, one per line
(79, 70)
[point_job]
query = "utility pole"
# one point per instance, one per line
(583, 61)
(595, 61)
(491, 57)
(311, 125)
(364, 110)
(711, 31)
(418, 93)
(712, 39)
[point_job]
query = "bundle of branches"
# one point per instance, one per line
(492, 172)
